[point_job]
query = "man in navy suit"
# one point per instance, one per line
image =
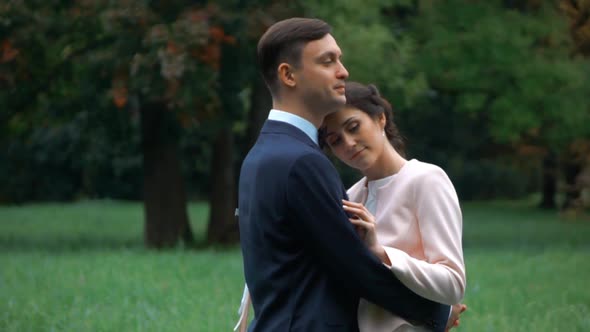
(304, 263)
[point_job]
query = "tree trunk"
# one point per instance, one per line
(549, 179)
(572, 168)
(165, 207)
(223, 228)
(260, 105)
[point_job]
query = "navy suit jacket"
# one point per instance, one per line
(304, 264)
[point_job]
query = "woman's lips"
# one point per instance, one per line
(357, 154)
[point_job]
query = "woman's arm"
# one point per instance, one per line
(441, 277)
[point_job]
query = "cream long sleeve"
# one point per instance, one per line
(419, 223)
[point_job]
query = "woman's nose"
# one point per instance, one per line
(349, 141)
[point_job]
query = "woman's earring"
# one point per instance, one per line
(383, 133)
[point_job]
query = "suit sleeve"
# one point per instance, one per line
(314, 194)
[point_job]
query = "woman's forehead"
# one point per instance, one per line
(343, 117)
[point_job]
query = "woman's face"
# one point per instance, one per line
(355, 138)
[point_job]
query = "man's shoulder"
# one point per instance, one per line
(282, 153)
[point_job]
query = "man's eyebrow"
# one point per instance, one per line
(330, 54)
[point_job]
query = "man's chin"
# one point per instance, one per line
(339, 103)
(335, 105)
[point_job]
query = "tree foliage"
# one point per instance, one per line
(511, 67)
(486, 89)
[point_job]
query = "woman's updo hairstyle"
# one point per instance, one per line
(367, 99)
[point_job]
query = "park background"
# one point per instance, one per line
(123, 125)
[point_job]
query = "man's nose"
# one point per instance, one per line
(342, 73)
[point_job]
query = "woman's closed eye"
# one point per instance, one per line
(353, 128)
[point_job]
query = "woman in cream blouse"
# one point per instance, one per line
(407, 210)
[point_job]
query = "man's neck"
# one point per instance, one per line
(299, 110)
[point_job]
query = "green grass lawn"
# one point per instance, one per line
(81, 267)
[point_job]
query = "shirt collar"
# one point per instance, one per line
(307, 127)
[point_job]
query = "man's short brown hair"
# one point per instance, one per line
(284, 42)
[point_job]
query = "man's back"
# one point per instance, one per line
(290, 291)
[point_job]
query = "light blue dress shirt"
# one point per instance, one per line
(307, 127)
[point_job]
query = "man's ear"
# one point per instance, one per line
(286, 74)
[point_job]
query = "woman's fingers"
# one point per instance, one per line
(354, 205)
(363, 214)
(357, 222)
(351, 203)
(353, 209)
(361, 223)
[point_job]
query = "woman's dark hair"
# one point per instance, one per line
(367, 99)
(284, 42)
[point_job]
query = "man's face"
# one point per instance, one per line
(321, 75)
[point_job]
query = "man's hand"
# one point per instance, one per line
(457, 310)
